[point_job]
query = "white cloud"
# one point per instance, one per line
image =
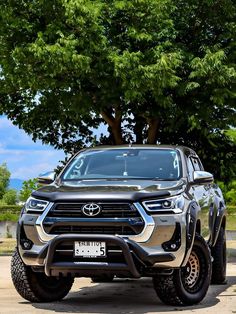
(12, 136)
(25, 159)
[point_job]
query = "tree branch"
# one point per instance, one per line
(108, 118)
(115, 124)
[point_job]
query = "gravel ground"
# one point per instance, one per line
(121, 296)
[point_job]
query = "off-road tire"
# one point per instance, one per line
(35, 286)
(218, 253)
(102, 278)
(187, 285)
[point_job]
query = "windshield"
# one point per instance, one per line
(130, 163)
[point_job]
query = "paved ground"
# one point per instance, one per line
(121, 296)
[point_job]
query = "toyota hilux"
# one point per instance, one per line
(123, 211)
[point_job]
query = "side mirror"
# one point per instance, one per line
(46, 178)
(202, 177)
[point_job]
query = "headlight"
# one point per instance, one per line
(35, 205)
(172, 205)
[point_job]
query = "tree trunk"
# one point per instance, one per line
(153, 124)
(116, 132)
(114, 123)
(138, 128)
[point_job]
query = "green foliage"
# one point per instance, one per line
(229, 191)
(10, 212)
(231, 210)
(232, 134)
(27, 188)
(4, 179)
(150, 70)
(12, 209)
(10, 197)
(8, 217)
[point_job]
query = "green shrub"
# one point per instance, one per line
(229, 191)
(10, 197)
(13, 209)
(231, 210)
(230, 195)
(9, 217)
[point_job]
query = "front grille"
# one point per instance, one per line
(119, 210)
(114, 219)
(93, 230)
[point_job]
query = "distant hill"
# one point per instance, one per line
(16, 184)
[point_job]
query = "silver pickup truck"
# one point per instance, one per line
(123, 211)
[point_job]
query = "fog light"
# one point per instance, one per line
(26, 244)
(175, 242)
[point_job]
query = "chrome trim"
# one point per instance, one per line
(47, 178)
(144, 236)
(28, 210)
(148, 229)
(44, 237)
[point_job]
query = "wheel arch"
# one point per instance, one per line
(220, 222)
(198, 227)
(193, 225)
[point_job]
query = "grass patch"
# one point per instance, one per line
(231, 222)
(231, 210)
(10, 212)
(14, 209)
(7, 246)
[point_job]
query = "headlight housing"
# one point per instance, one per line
(167, 205)
(35, 205)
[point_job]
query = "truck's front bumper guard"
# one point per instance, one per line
(129, 250)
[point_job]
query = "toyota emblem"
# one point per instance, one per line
(91, 209)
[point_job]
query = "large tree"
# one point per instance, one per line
(4, 179)
(151, 70)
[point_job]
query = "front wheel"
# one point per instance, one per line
(187, 285)
(37, 287)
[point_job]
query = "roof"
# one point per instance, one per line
(184, 149)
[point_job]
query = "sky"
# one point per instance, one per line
(25, 159)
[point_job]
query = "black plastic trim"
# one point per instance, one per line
(175, 242)
(115, 196)
(150, 258)
(130, 249)
(217, 225)
(191, 222)
(51, 266)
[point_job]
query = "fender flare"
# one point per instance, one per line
(191, 223)
(218, 223)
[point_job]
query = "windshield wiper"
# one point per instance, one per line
(161, 179)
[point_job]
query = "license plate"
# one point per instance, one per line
(89, 249)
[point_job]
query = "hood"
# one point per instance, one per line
(130, 190)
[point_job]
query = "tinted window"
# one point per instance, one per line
(163, 164)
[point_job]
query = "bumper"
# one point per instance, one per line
(168, 246)
(133, 260)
